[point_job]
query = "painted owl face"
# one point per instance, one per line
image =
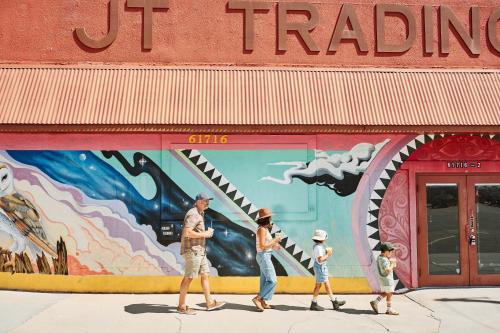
(6, 180)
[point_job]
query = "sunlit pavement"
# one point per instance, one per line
(428, 310)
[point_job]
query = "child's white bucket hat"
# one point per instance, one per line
(320, 235)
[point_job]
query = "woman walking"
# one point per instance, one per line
(265, 244)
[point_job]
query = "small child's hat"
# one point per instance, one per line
(387, 247)
(320, 235)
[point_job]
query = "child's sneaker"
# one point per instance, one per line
(374, 306)
(316, 307)
(337, 304)
(392, 312)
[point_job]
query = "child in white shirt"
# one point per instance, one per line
(385, 267)
(321, 254)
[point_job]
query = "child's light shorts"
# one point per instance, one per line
(321, 273)
(387, 289)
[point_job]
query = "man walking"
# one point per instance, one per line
(194, 254)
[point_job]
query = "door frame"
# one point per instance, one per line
(424, 278)
(475, 277)
(467, 211)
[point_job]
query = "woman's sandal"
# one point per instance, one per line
(265, 305)
(257, 301)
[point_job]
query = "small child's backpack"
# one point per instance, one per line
(381, 271)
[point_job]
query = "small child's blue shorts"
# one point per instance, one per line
(320, 272)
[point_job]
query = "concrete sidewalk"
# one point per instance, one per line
(430, 310)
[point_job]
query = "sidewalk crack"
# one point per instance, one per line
(379, 323)
(432, 312)
(180, 324)
(297, 322)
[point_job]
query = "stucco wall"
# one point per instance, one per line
(112, 199)
(206, 32)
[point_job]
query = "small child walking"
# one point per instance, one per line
(321, 254)
(385, 267)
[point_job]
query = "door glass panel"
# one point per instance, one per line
(443, 229)
(488, 228)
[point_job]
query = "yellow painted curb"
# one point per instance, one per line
(167, 284)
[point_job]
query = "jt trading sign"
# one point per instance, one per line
(347, 28)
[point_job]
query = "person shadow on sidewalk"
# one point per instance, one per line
(252, 308)
(149, 308)
(356, 311)
(162, 308)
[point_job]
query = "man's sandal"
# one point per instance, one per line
(186, 310)
(215, 305)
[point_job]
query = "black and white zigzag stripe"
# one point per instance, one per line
(245, 204)
(377, 195)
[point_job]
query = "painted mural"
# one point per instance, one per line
(120, 211)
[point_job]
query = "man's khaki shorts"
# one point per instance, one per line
(195, 264)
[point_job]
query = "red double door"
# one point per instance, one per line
(458, 230)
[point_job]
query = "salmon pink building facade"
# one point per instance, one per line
(374, 121)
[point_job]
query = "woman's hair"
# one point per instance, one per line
(317, 241)
(264, 221)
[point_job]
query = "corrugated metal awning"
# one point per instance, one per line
(171, 98)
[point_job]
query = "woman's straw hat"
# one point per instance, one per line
(264, 212)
